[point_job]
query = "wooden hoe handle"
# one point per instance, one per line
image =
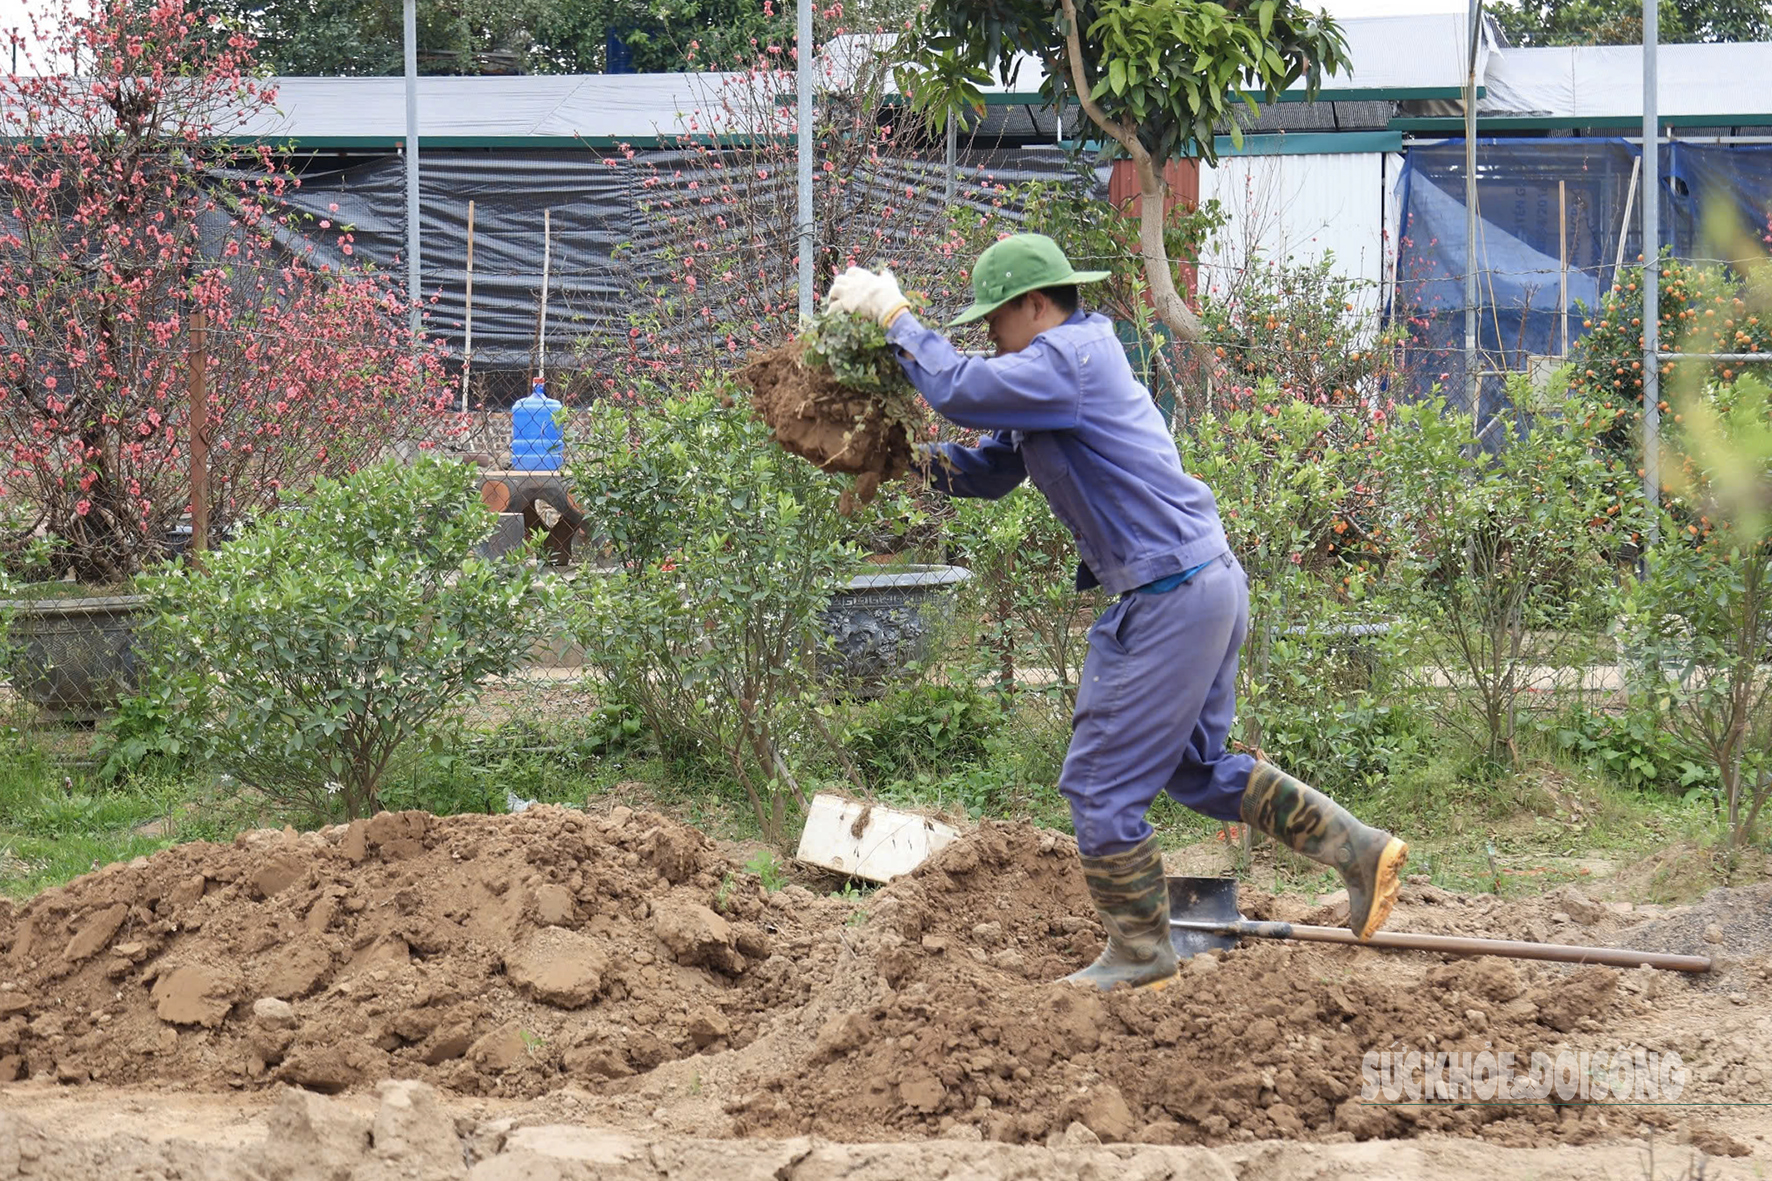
(1456, 945)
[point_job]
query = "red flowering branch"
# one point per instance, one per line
(721, 211)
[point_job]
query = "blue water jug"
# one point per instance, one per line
(536, 445)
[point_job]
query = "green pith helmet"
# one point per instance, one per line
(1015, 266)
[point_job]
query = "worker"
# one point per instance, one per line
(1154, 709)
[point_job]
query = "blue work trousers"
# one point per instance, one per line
(1155, 708)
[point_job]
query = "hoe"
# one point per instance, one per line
(1203, 916)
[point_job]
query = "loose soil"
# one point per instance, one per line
(617, 969)
(488, 955)
(834, 427)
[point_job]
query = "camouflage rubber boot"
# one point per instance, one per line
(1132, 899)
(1305, 820)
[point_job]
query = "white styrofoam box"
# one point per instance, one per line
(868, 841)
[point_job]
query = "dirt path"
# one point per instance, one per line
(408, 1131)
(616, 971)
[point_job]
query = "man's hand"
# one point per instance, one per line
(862, 293)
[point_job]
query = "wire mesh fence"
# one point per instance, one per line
(280, 404)
(71, 654)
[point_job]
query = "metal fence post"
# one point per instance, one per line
(414, 277)
(803, 74)
(1651, 276)
(1471, 378)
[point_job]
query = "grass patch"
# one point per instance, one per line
(1523, 833)
(589, 761)
(962, 754)
(57, 823)
(1003, 766)
(41, 592)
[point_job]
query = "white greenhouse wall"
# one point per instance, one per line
(1301, 208)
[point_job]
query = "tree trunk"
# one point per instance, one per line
(1762, 791)
(1170, 307)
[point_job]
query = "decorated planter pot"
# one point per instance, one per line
(882, 627)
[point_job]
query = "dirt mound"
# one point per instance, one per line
(836, 428)
(1265, 1041)
(618, 966)
(486, 954)
(1726, 924)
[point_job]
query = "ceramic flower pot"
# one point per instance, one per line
(883, 627)
(73, 658)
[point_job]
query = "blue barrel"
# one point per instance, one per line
(536, 445)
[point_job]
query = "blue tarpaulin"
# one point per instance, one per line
(1714, 180)
(1515, 279)
(1525, 249)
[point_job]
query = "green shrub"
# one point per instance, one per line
(1700, 621)
(1501, 568)
(1705, 308)
(1301, 329)
(923, 729)
(728, 550)
(552, 761)
(337, 634)
(1288, 479)
(23, 554)
(1015, 776)
(1345, 744)
(448, 782)
(613, 727)
(163, 725)
(1634, 749)
(1024, 562)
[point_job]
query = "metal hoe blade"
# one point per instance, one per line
(1209, 899)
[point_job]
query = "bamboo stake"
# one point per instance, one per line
(1630, 200)
(547, 229)
(467, 348)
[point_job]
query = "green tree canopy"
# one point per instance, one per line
(663, 35)
(1158, 78)
(1620, 22)
(363, 37)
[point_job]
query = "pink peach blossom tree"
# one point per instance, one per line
(125, 208)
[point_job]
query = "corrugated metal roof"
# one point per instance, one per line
(600, 109)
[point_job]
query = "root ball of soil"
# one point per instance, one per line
(836, 428)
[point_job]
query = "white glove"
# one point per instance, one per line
(862, 293)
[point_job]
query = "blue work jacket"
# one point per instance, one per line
(1067, 413)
